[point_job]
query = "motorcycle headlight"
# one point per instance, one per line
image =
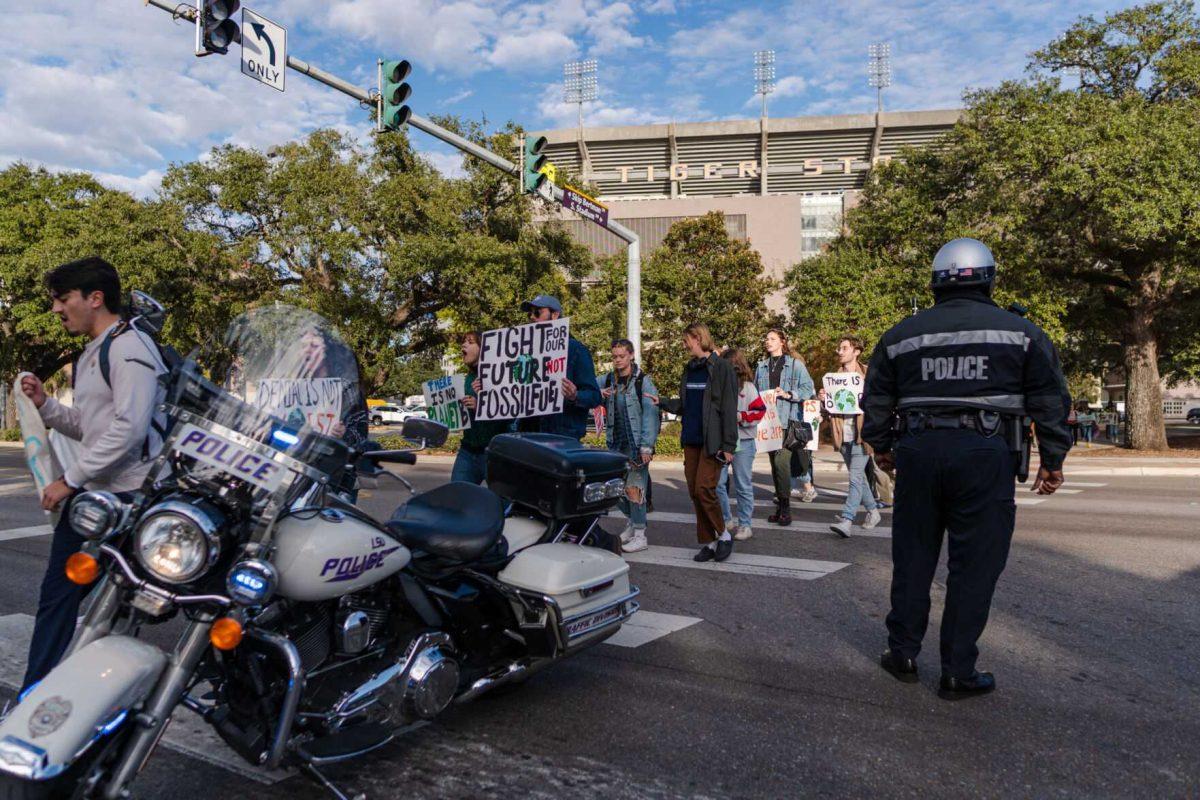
(177, 542)
(95, 515)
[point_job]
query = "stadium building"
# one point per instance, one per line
(782, 184)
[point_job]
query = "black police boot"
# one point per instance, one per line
(901, 668)
(962, 688)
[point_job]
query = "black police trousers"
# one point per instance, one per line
(960, 482)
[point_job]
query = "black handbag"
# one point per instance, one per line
(797, 435)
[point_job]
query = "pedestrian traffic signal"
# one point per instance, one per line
(395, 91)
(535, 162)
(215, 28)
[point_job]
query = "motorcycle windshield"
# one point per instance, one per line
(280, 376)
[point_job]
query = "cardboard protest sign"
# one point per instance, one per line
(443, 401)
(812, 415)
(521, 371)
(315, 402)
(39, 456)
(768, 437)
(843, 392)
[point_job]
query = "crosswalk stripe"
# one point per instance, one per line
(1085, 484)
(646, 626)
(25, 533)
(804, 569)
(802, 526)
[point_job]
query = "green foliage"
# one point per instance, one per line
(47, 219)
(698, 275)
(10, 434)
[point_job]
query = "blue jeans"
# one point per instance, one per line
(638, 478)
(743, 485)
(469, 467)
(856, 463)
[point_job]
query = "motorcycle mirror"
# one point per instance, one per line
(150, 310)
(433, 434)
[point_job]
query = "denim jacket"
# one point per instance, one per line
(643, 417)
(795, 379)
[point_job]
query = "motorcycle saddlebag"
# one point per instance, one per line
(555, 475)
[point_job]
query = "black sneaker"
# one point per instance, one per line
(901, 668)
(706, 554)
(724, 549)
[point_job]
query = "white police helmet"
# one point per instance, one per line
(963, 262)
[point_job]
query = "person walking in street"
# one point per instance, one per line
(707, 404)
(113, 416)
(846, 430)
(470, 463)
(959, 378)
(579, 389)
(750, 410)
(784, 374)
(631, 408)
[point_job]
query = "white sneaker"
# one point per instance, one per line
(872, 519)
(743, 532)
(636, 542)
(842, 528)
(627, 534)
(730, 524)
(808, 496)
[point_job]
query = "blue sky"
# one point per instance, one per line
(112, 87)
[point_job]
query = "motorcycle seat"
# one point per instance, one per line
(456, 521)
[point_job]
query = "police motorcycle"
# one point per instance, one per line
(312, 632)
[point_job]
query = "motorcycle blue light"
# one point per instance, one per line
(285, 438)
(252, 583)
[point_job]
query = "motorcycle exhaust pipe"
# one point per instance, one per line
(517, 670)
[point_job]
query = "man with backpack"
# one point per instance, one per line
(116, 398)
(631, 408)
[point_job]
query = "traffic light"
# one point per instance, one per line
(395, 91)
(535, 160)
(215, 28)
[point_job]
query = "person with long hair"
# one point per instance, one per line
(847, 440)
(783, 373)
(470, 464)
(750, 410)
(707, 405)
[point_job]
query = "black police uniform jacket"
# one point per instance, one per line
(968, 353)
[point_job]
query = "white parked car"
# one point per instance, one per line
(392, 414)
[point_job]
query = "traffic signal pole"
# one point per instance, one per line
(634, 272)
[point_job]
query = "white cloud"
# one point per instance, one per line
(660, 7)
(449, 164)
(532, 51)
(458, 97)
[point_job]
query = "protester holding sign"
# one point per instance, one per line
(572, 392)
(707, 403)
(750, 411)
(841, 399)
(113, 416)
(470, 464)
(784, 375)
(631, 408)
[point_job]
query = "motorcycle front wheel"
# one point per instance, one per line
(82, 781)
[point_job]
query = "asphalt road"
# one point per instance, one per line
(768, 686)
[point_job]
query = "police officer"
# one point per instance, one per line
(948, 396)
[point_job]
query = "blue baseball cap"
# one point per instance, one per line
(542, 301)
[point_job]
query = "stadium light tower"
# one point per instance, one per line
(579, 84)
(879, 70)
(764, 75)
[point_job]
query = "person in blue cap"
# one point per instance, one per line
(580, 391)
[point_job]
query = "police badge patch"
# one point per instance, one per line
(49, 716)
